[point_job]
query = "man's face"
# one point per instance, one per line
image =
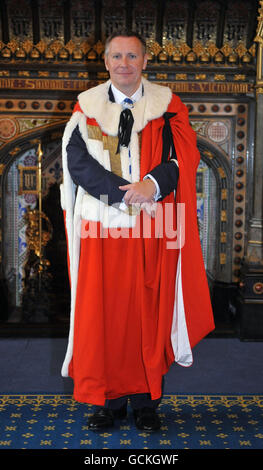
(125, 61)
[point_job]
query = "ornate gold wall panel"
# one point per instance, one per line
(177, 31)
(75, 51)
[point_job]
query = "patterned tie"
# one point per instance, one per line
(127, 103)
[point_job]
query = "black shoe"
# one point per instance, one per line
(104, 418)
(146, 419)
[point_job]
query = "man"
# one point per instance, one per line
(139, 302)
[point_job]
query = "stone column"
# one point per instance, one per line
(250, 295)
(255, 246)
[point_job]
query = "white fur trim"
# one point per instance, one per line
(62, 197)
(135, 157)
(72, 205)
(95, 104)
(74, 265)
(68, 188)
(179, 334)
(124, 157)
(109, 216)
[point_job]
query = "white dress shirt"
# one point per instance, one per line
(120, 97)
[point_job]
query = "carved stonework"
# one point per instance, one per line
(178, 31)
(82, 51)
(82, 21)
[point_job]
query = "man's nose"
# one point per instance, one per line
(124, 61)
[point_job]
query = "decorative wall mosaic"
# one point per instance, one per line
(206, 213)
(16, 205)
(225, 126)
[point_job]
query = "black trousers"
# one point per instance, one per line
(137, 401)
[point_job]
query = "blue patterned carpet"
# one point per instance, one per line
(45, 421)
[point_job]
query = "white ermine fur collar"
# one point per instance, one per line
(95, 104)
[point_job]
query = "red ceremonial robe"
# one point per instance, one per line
(125, 300)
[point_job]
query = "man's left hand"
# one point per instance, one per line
(140, 192)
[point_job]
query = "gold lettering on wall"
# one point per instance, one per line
(42, 84)
(211, 87)
(177, 87)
